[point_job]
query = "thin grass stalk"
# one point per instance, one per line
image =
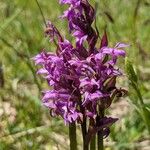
(72, 136)
(135, 85)
(26, 59)
(143, 109)
(41, 11)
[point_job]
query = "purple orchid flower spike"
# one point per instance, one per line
(82, 77)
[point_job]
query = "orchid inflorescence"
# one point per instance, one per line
(82, 75)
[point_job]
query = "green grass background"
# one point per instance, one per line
(24, 122)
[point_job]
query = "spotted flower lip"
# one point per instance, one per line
(81, 75)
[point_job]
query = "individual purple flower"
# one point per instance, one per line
(87, 84)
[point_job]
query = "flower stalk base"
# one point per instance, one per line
(72, 136)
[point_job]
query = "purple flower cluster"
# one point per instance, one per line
(82, 76)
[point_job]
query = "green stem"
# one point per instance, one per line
(84, 132)
(93, 138)
(93, 143)
(72, 136)
(100, 143)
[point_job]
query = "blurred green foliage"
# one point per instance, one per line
(24, 122)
